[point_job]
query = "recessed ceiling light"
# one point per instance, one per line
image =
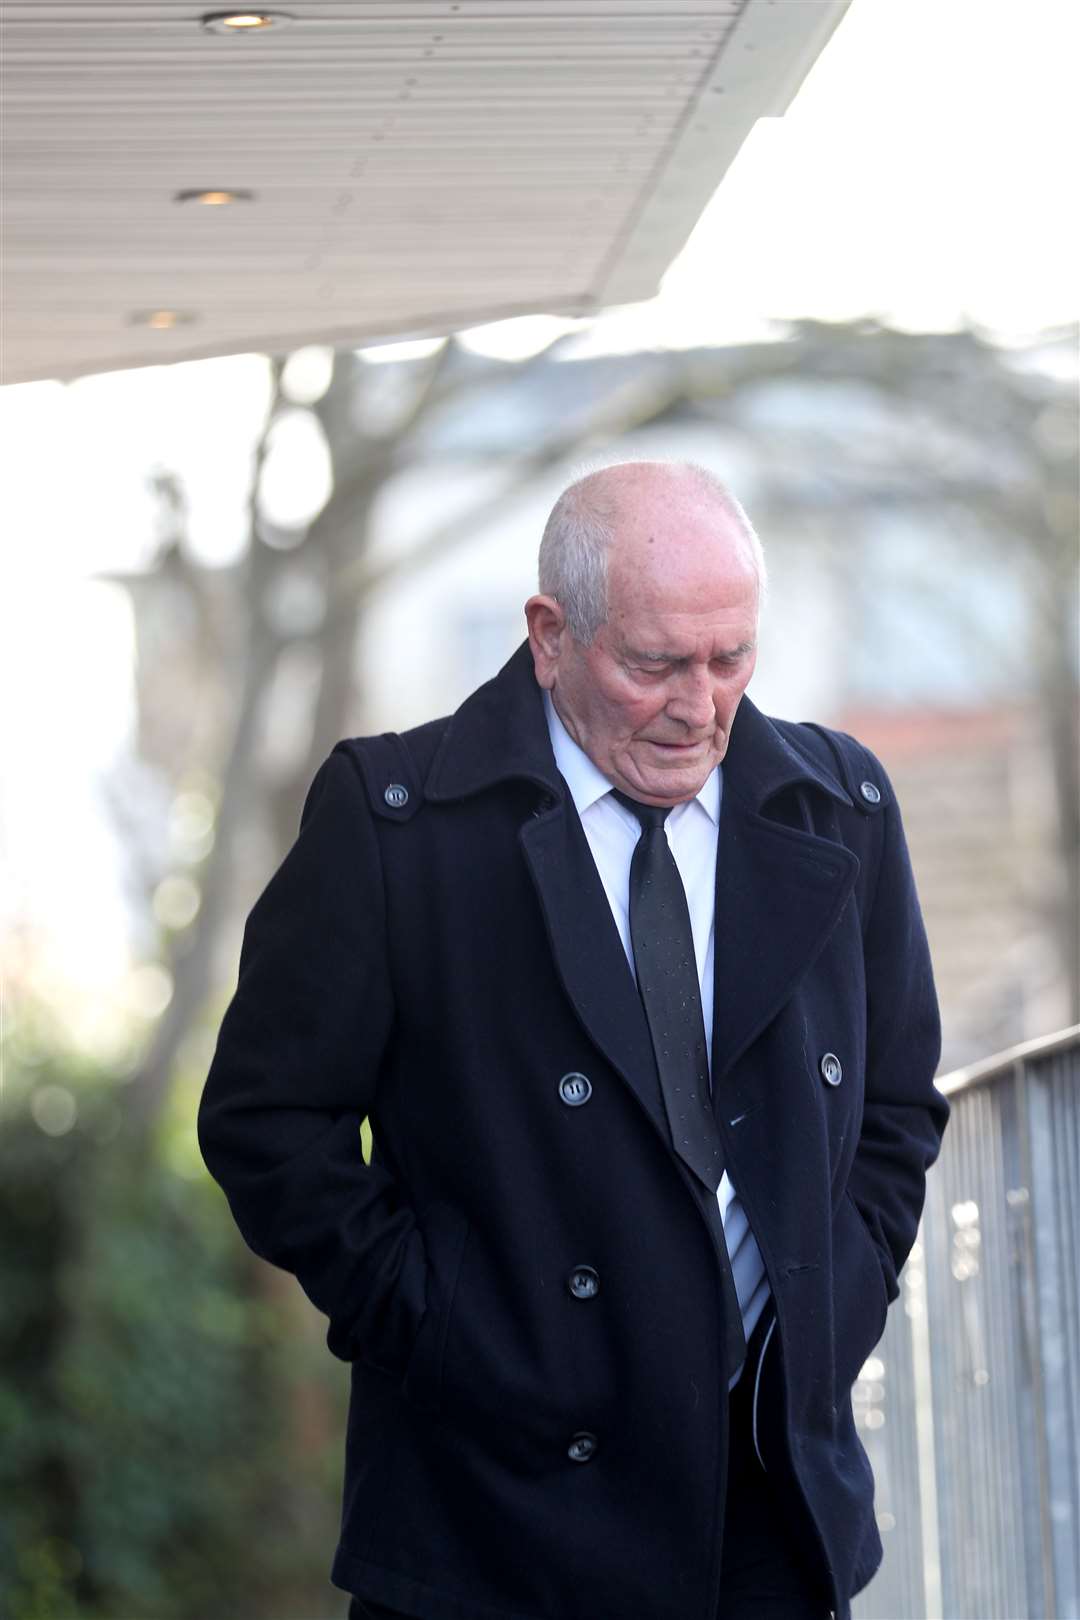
(161, 320)
(244, 22)
(214, 199)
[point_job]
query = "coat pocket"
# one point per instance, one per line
(445, 1232)
(860, 1297)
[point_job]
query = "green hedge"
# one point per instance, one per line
(171, 1427)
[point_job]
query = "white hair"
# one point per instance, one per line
(573, 560)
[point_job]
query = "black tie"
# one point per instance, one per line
(667, 976)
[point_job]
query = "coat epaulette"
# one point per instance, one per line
(845, 757)
(394, 767)
(859, 771)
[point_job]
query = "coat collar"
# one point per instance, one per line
(500, 734)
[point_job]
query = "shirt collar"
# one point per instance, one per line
(587, 782)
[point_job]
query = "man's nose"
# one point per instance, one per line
(692, 702)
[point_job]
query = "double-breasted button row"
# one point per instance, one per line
(583, 1282)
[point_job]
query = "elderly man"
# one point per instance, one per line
(632, 984)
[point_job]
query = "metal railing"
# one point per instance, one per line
(970, 1406)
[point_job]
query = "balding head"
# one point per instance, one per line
(596, 515)
(645, 628)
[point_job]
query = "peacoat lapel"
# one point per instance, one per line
(500, 733)
(779, 895)
(588, 953)
(779, 891)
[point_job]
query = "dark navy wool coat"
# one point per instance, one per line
(436, 952)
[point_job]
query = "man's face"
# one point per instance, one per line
(652, 700)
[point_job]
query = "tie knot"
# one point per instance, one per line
(650, 816)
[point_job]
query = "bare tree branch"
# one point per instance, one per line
(192, 962)
(636, 403)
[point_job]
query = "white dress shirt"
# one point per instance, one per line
(691, 827)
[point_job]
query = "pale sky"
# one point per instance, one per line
(926, 174)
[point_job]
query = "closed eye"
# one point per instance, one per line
(642, 664)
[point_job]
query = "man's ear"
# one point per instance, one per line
(547, 627)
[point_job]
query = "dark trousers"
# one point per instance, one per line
(767, 1572)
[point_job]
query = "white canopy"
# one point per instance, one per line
(400, 166)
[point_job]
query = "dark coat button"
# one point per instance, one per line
(396, 796)
(582, 1447)
(575, 1089)
(831, 1069)
(583, 1282)
(870, 793)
